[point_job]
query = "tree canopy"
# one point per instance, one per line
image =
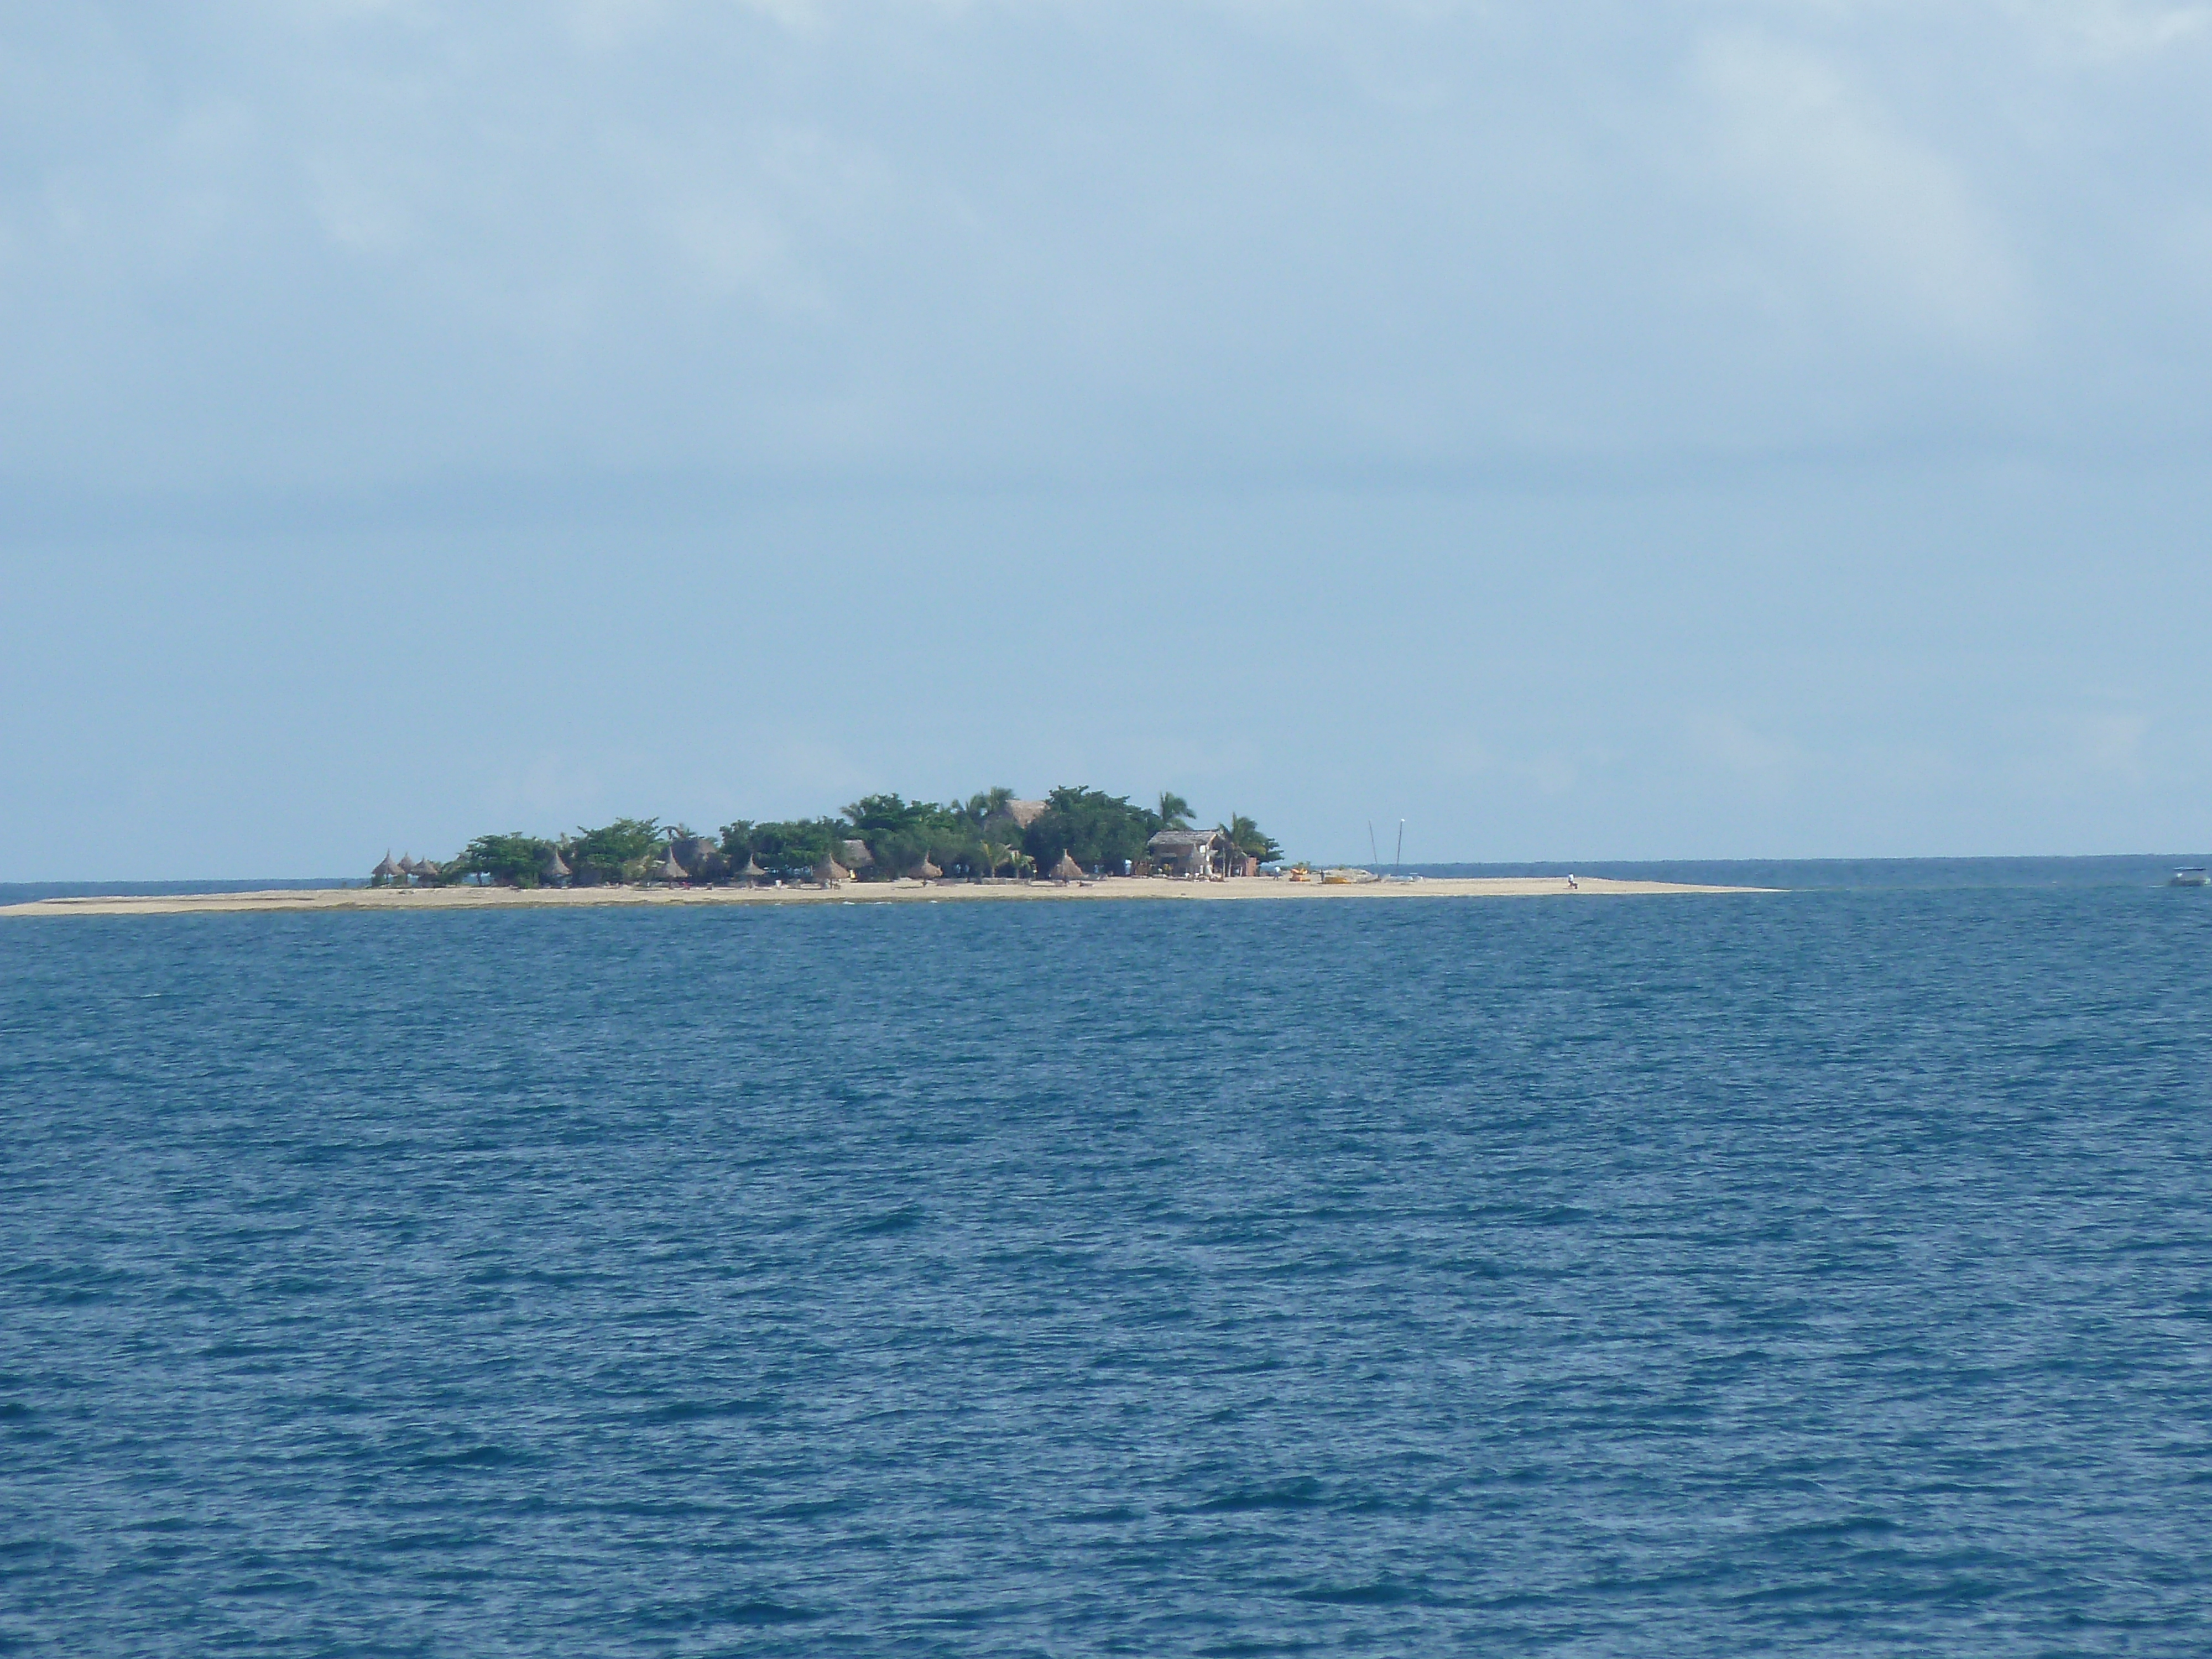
(511, 861)
(1247, 840)
(1092, 827)
(620, 851)
(793, 848)
(977, 836)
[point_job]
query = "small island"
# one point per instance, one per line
(1073, 835)
(1074, 843)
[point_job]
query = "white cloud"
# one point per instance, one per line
(1867, 213)
(2109, 31)
(1073, 239)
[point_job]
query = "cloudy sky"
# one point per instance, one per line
(1757, 427)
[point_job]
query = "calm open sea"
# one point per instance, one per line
(1826, 1273)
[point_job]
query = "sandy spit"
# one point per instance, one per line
(897, 892)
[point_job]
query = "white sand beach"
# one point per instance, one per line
(1108, 888)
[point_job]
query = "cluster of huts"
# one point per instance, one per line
(1190, 855)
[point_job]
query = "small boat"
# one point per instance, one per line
(2193, 875)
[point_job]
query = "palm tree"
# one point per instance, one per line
(991, 804)
(1246, 840)
(998, 856)
(1175, 811)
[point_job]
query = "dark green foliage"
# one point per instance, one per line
(620, 851)
(511, 861)
(876, 819)
(987, 810)
(1093, 828)
(789, 850)
(1247, 840)
(975, 837)
(900, 834)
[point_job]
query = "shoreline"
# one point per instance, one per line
(1108, 888)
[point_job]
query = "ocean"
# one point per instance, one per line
(1826, 1272)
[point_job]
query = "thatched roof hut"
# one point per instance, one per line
(1027, 812)
(697, 853)
(925, 870)
(858, 855)
(1067, 869)
(427, 867)
(388, 870)
(1186, 852)
(829, 869)
(669, 870)
(752, 872)
(553, 869)
(406, 864)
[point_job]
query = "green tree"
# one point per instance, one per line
(1246, 839)
(900, 833)
(984, 809)
(511, 861)
(1175, 811)
(788, 849)
(615, 851)
(1093, 828)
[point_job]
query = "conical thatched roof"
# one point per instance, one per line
(553, 869)
(829, 869)
(426, 867)
(1067, 869)
(858, 855)
(752, 872)
(669, 870)
(407, 865)
(925, 870)
(693, 853)
(388, 870)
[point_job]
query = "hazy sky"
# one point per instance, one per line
(1581, 429)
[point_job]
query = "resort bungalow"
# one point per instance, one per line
(1190, 853)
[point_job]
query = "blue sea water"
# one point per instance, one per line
(1821, 1273)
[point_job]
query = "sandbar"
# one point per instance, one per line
(1112, 888)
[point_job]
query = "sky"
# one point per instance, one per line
(1684, 428)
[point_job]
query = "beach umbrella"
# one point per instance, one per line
(829, 869)
(386, 870)
(1067, 869)
(752, 872)
(925, 870)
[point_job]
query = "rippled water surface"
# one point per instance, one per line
(1825, 1272)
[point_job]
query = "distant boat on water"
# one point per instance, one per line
(2193, 875)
